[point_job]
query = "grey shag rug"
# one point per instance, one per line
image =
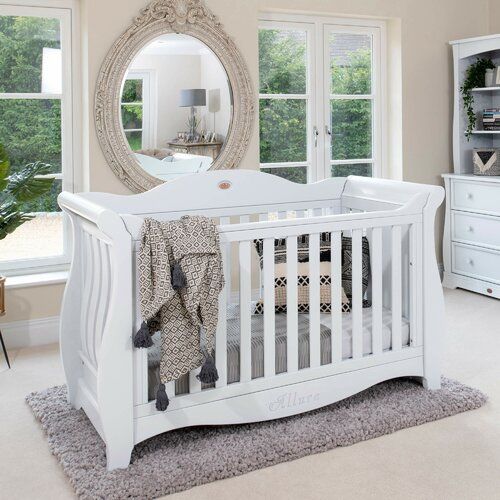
(181, 459)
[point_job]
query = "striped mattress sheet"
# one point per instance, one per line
(257, 339)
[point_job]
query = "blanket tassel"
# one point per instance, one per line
(142, 338)
(178, 277)
(162, 401)
(208, 373)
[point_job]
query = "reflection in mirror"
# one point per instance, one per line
(176, 106)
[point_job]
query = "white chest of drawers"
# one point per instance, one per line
(471, 242)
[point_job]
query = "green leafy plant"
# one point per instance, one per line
(17, 189)
(474, 77)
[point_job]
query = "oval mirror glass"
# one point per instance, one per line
(176, 106)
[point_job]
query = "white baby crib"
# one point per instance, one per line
(398, 336)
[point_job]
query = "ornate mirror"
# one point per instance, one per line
(173, 97)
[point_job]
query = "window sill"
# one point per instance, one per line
(38, 279)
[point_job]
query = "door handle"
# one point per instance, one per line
(315, 135)
(327, 130)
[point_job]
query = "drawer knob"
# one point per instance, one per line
(469, 196)
(470, 262)
(489, 290)
(470, 229)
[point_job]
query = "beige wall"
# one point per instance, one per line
(494, 16)
(425, 26)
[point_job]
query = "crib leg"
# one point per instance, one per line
(118, 455)
(432, 383)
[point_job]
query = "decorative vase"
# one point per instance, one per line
(488, 78)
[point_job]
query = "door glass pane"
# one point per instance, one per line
(134, 139)
(362, 169)
(351, 124)
(132, 90)
(294, 174)
(350, 63)
(131, 116)
(30, 54)
(40, 237)
(282, 61)
(283, 136)
(30, 131)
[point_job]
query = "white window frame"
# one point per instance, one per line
(318, 126)
(149, 105)
(67, 12)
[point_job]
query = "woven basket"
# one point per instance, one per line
(486, 161)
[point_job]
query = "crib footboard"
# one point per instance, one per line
(96, 325)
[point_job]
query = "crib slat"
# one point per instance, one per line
(221, 336)
(314, 301)
(376, 271)
(194, 383)
(224, 221)
(292, 351)
(269, 302)
(245, 311)
(357, 295)
(94, 298)
(170, 389)
(87, 277)
(336, 307)
(396, 287)
(415, 283)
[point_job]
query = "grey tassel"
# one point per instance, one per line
(161, 398)
(178, 277)
(208, 373)
(142, 338)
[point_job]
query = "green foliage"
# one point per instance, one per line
(474, 77)
(19, 188)
(22, 40)
(282, 123)
(282, 62)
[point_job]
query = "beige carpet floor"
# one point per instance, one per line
(455, 458)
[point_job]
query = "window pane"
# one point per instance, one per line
(351, 129)
(132, 91)
(25, 58)
(283, 130)
(362, 169)
(134, 140)
(131, 116)
(30, 131)
(282, 61)
(39, 237)
(350, 63)
(294, 174)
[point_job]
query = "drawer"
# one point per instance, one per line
(475, 229)
(476, 262)
(475, 196)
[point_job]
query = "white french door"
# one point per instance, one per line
(338, 129)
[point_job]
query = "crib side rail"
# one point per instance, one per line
(96, 321)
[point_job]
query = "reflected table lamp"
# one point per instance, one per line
(191, 98)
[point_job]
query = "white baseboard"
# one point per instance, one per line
(30, 333)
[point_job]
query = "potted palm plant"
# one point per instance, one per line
(16, 189)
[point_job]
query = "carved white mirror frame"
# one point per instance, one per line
(189, 17)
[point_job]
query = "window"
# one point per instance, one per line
(36, 125)
(320, 86)
(136, 110)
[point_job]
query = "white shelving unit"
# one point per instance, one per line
(466, 52)
(471, 241)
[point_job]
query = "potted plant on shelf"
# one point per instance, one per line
(474, 77)
(17, 189)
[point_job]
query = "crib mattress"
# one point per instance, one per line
(257, 325)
